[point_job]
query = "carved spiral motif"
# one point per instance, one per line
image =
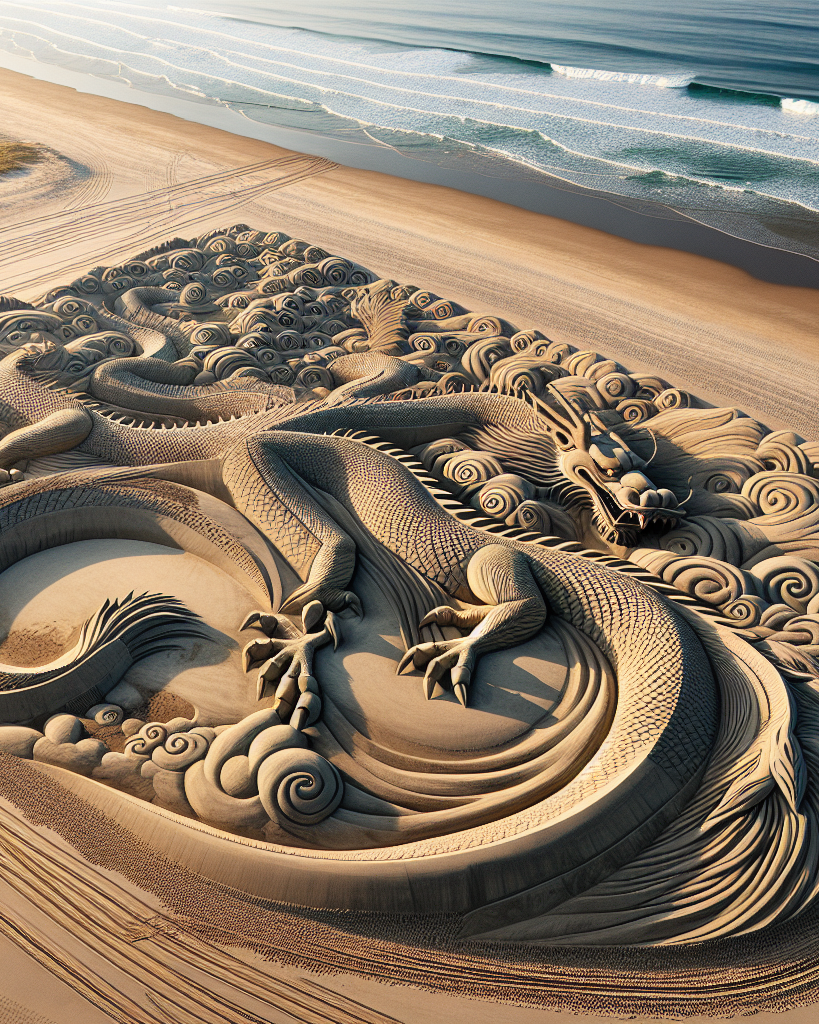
(266, 356)
(222, 243)
(615, 386)
(502, 495)
(784, 495)
(210, 334)
(436, 454)
(484, 325)
(105, 714)
(315, 376)
(524, 373)
(745, 611)
(636, 410)
(788, 580)
(532, 515)
(453, 383)
(784, 456)
(288, 341)
(315, 254)
(649, 386)
(708, 579)
(180, 751)
(425, 342)
(87, 284)
(194, 294)
(554, 351)
(521, 341)
(187, 260)
(227, 277)
(70, 306)
(704, 535)
(468, 468)
(149, 737)
(335, 270)
(299, 787)
(441, 309)
(672, 398)
(120, 345)
(482, 355)
(308, 275)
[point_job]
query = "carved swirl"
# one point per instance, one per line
(636, 410)
(784, 495)
(780, 452)
(149, 737)
(672, 398)
(480, 357)
(335, 270)
(468, 468)
(788, 580)
(180, 751)
(532, 515)
(745, 611)
(708, 579)
(299, 787)
(502, 495)
(615, 386)
(105, 714)
(194, 294)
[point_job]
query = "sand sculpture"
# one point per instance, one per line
(275, 409)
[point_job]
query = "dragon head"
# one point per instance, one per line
(595, 458)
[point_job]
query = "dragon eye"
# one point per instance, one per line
(563, 440)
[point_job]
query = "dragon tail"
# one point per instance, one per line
(121, 633)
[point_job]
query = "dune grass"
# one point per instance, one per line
(14, 155)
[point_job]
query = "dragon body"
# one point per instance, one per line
(326, 476)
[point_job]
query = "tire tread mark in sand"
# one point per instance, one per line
(99, 220)
(164, 210)
(133, 940)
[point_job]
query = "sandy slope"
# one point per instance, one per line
(140, 176)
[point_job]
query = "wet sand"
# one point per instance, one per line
(132, 177)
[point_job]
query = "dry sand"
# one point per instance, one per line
(123, 178)
(133, 177)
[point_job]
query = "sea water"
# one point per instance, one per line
(708, 112)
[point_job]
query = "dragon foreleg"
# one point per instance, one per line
(514, 610)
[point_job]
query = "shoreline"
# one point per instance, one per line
(533, 191)
(134, 176)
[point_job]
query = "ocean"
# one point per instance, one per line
(707, 114)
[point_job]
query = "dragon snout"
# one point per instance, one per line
(636, 490)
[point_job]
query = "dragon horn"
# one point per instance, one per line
(565, 418)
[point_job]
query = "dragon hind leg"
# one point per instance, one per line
(270, 495)
(59, 432)
(501, 577)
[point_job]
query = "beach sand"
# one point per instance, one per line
(132, 177)
(122, 178)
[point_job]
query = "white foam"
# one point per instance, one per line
(669, 81)
(804, 107)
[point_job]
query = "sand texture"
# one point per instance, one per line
(196, 907)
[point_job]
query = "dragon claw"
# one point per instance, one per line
(311, 614)
(405, 662)
(333, 628)
(455, 657)
(263, 621)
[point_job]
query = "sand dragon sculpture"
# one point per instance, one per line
(244, 393)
